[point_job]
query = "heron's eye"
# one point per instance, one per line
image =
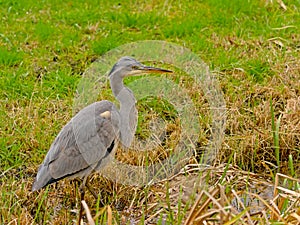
(135, 67)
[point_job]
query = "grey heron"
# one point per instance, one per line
(89, 140)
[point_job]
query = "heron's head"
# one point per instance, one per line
(127, 66)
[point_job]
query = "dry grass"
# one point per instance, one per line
(249, 125)
(216, 195)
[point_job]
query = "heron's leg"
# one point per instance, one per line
(91, 190)
(82, 192)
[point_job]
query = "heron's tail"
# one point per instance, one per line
(43, 178)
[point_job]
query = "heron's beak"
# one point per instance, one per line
(149, 69)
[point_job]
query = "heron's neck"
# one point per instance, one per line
(122, 93)
(116, 84)
(128, 113)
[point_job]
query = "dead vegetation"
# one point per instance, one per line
(215, 195)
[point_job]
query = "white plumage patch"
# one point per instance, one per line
(105, 114)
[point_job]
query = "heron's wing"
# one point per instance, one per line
(81, 145)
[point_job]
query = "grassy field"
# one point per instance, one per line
(253, 48)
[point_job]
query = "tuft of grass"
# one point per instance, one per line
(44, 31)
(275, 132)
(10, 58)
(105, 44)
(291, 166)
(258, 70)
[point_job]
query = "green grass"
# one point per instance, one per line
(45, 47)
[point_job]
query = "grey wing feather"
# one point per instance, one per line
(81, 145)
